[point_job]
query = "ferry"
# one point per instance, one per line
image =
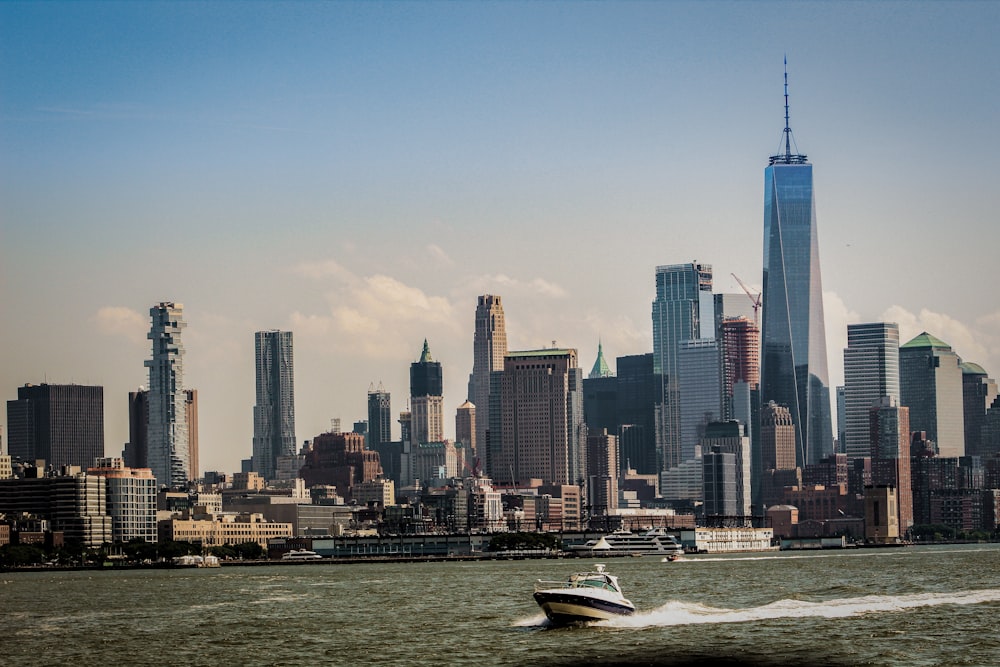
(301, 555)
(656, 541)
(586, 596)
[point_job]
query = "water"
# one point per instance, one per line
(910, 606)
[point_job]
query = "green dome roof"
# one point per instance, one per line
(969, 368)
(926, 340)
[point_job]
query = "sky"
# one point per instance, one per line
(358, 173)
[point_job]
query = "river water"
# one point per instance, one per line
(936, 605)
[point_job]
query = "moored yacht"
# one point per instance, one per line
(656, 541)
(585, 596)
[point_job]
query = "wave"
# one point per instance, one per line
(688, 613)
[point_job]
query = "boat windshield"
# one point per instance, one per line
(592, 581)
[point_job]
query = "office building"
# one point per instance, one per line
(75, 503)
(930, 385)
(777, 438)
(379, 416)
(60, 423)
(274, 411)
(602, 473)
(541, 403)
(728, 437)
(978, 393)
(699, 392)
(426, 399)
(639, 391)
(168, 449)
(682, 310)
(889, 426)
(871, 372)
(489, 347)
(793, 369)
(465, 429)
(191, 410)
(720, 486)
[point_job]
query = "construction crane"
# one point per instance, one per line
(754, 300)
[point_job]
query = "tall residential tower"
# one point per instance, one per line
(168, 449)
(488, 348)
(274, 413)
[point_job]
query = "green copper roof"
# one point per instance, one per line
(926, 340)
(600, 369)
(969, 368)
(425, 356)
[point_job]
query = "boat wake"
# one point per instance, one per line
(690, 613)
(686, 613)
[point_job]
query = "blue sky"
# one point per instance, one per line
(359, 172)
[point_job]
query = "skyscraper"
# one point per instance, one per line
(379, 416)
(683, 310)
(542, 418)
(168, 449)
(930, 384)
(889, 425)
(60, 423)
(871, 372)
(274, 412)
(426, 399)
(978, 393)
(793, 364)
(488, 348)
(700, 392)
(191, 417)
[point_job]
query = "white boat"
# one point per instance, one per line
(301, 554)
(585, 596)
(655, 541)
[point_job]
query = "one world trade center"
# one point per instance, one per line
(793, 357)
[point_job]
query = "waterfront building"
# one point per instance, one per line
(930, 380)
(75, 503)
(62, 424)
(131, 500)
(871, 372)
(602, 472)
(167, 435)
(793, 361)
(227, 529)
(978, 393)
(489, 346)
(274, 411)
(379, 416)
(882, 514)
(889, 427)
(542, 418)
(726, 540)
(682, 310)
(947, 490)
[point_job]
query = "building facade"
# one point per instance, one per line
(930, 385)
(131, 500)
(682, 310)
(379, 416)
(978, 393)
(793, 361)
(63, 424)
(274, 411)
(542, 418)
(871, 372)
(168, 447)
(889, 426)
(489, 347)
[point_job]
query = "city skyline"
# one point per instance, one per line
(273, 150)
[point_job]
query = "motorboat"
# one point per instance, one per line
(655, 541)
(671, 558)
(584, 597)
(300, 555)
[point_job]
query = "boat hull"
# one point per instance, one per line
(562, 607)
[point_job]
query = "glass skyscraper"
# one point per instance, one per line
(871, 372)
(274, 413)
(793, 360)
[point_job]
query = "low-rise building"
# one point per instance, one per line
(227, 529)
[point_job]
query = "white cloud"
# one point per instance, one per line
(488, 284)
(837, 316)
(329, 268)
(970, 343)
(124, 322)
(439, 255)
